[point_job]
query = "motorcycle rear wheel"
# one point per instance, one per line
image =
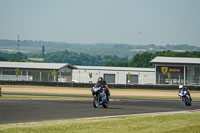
(106, 105)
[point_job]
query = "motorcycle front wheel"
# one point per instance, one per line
(95, 102)
(187, 100)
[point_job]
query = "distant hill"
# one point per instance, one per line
(122, 50)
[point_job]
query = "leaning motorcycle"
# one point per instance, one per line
(185, 97)
(99, 97)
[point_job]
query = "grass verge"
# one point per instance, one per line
(154, 97)
(42, 87)
(47, 96)
(30, 97)
(163, 123)
(46, 93)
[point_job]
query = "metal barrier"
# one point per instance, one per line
(89, 85)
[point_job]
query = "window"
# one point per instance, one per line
(133, 79)
(169, 75)
(109, 78)
(193, 75)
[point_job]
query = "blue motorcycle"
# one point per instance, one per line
(184, 94)
(99, 97)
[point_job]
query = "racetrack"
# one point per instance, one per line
(19, 111)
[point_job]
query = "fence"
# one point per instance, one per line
(89, 85)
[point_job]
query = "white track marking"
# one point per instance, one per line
(156, 113)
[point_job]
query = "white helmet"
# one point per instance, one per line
(180, 86)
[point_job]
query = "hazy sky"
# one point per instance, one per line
(111, 21)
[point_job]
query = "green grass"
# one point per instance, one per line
(42, 87)
(46, 96)
(29, 97)
(150, 97)
(150, 90)
(36, 59)
(72, 97)
(165, 123)
(45, 93)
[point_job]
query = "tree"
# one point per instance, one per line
(141, 60)
(90, 75)
(2, 58)
(43, 51)
(53, 74)
(17, 72)
(129, 77)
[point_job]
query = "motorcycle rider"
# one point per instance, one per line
(102, 83)
(181, 89)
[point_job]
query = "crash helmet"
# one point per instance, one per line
(100, 79)
(180, 86)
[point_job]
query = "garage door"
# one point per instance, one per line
(133, 79)
(109, 78)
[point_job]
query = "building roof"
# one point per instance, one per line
(33, 65)
(116, 68)
(175, 60)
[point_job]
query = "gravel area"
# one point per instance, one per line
(77, 91)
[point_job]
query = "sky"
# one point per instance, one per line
(142, 22)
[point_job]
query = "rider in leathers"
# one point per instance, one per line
(102, 83)
(181, 89)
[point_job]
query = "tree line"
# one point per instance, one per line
(63, 57)
(15, 57)
(139, 60)
(143, 59)
(81, 58)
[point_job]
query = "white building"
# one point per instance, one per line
(115, 75)
(29, 71)
(177, 70)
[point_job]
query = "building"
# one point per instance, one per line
(28, 71)
(114, 75)
(177, 70)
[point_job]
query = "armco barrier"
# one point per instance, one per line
(89, 85)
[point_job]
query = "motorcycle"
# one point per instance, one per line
(184, 94)
(99, 97)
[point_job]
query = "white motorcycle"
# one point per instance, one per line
(185, 96)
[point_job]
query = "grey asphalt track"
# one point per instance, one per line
(19, 111)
